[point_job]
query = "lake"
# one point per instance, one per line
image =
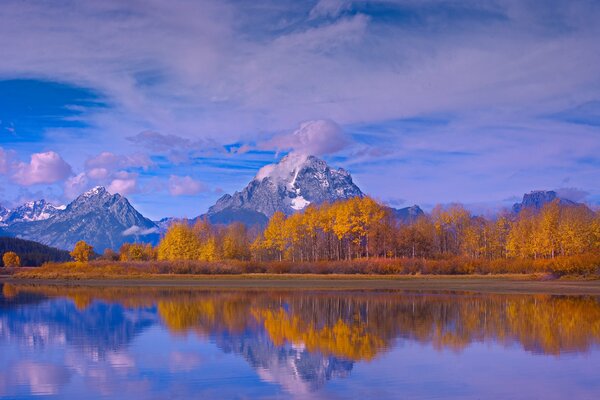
(163, 343)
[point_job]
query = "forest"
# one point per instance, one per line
(360, 235)
(31, 253)
(360, 228)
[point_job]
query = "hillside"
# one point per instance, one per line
(32, 254)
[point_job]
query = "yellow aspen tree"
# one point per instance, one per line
(82, 252)
(179, 243)
(370, 215)
(209, 250)
(547, 234)
(275, 235)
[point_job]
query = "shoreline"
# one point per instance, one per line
(507, 284)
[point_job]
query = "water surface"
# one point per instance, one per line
(160, 343)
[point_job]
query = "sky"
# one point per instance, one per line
(174, 103)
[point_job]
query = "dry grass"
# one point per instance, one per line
(579, 266)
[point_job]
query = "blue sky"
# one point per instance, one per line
(175, 103)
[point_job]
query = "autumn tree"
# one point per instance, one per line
(110, 255)
(372, 218)
(235, 242)
(137, 252)
(275, 235)
(417, 239)
(82, 252)
(10, 259)
(179, 243)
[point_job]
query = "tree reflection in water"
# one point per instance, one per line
(317, 335)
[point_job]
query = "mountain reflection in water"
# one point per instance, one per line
(297, 340)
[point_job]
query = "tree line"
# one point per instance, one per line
(361, 228)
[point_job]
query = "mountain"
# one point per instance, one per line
(101, 219)
(288, 186)
(408, 214)
(32, 254)
(3, 213)
(536, 199)
(31, 211)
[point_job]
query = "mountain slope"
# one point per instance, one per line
(288, 186)
(98, 217)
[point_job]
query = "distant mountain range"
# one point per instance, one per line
(108, 220)
(102, 219)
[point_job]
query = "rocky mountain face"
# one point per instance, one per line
(31, 211)
(3, 213)
(536, 199)
(288, 186)
(102, 219)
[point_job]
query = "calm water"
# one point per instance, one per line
(124, 343)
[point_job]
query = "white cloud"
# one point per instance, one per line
(573, 194)
(4, 161)
(184, 186)
(124, 183)
(110, 161)
(329, 8)
(75, 185)
(98, 173)
(318, 137)
(46, 167)
(135, 230)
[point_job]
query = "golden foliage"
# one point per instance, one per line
(10, 259)
(359, 326)
(82, 252)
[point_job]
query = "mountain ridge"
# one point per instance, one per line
(102, 219)
(37, 210)
(536, 199)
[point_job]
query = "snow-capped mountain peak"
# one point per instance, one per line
(96, 191)
(288, 186)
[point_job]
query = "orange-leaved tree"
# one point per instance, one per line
(82, 251)
(10, 259)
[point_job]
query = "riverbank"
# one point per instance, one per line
(514, 283)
